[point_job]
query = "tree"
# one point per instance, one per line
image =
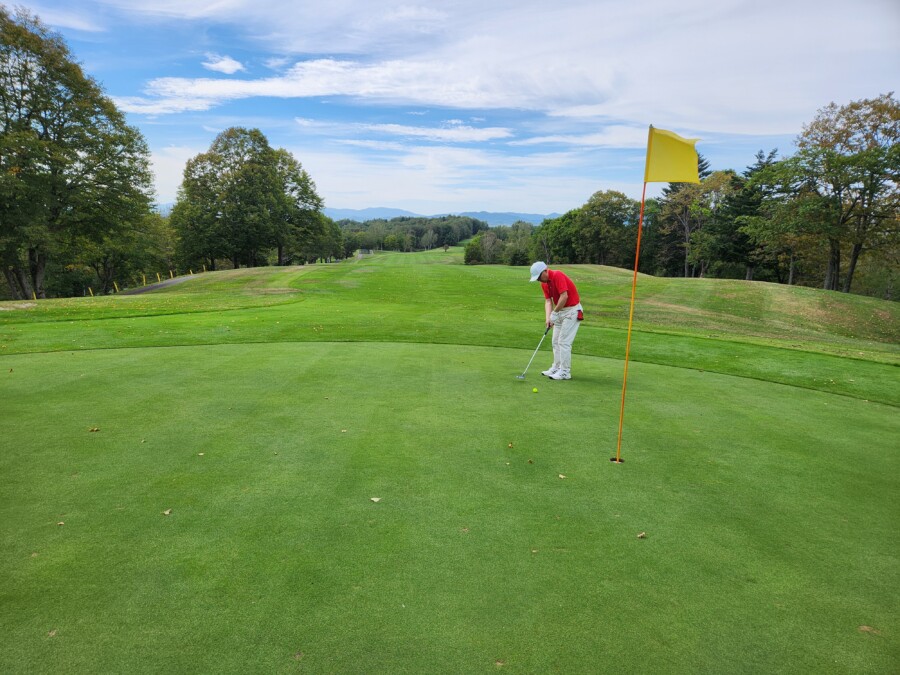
(124, 254)
(196, 215)
(674, 219)
(70, 167)
(601, 228)
(326, 244)
(474, 252)
(690, 207)
(735, 249)
(518, 243)
(250, 192)
(242, 198)
(378, 232)
(781, 232)
(296, 214)
(711, 243)
(393, 242)
(554, 240)
(429, 239)
(849, 156)
(491, 247)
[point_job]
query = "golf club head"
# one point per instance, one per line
(520, 377)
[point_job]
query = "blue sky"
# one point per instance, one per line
(467, 105)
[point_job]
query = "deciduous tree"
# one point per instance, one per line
(688, 209)
(242, 198)
(849, 155)
(70, 167)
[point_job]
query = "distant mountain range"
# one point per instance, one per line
(489, 217)
(492, 218)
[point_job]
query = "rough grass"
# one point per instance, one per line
(769, 509)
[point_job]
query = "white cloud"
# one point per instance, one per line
(148, 106)
(614, 136)
(277, 63)
(384, 146)
(67, 18)
(307, 123)
(456, 133)
(416, 82)
(223, 64)
(195, 9)
(683, 65)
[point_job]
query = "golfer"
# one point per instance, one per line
(563, 311)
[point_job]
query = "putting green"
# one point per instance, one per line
(770, 519)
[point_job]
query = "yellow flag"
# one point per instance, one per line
(670, 158)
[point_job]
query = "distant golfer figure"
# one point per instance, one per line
(563, 311)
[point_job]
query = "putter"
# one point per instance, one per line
(522, 376)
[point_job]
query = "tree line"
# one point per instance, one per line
(808, 219)
(409, 233)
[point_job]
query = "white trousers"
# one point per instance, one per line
(564, 331)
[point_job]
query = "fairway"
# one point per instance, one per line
(188, 478)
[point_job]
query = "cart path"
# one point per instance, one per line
(153, 287)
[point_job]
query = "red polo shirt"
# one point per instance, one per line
(556, 284)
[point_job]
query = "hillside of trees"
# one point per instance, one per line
(77, 216)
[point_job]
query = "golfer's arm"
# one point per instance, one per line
(563, 298)
(548, 307)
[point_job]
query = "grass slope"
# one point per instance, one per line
(706, 324)
(770, 510)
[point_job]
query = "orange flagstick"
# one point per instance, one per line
(675, 161)
(637, 254)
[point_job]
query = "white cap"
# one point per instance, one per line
(536, 269)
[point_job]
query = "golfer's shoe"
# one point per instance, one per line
(560, 375)
(549, 372)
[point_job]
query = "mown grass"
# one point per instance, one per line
(430, 298)
(769, 510)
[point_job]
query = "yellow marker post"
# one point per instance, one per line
(91, 290)
(34, 295)
(117, 286)
(144, 279)
(204, 268)
(158, 278)
(192, 272)
(171, 274)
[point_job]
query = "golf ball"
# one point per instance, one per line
(534, 390)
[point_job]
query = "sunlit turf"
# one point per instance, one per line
(504, 539)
